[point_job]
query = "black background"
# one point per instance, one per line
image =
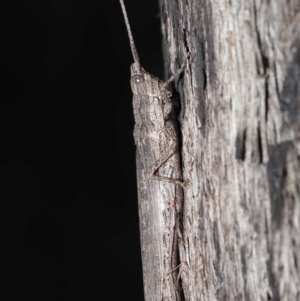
(68, 204)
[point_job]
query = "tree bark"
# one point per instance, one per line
(240, 126)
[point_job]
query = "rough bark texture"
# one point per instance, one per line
(240, 125)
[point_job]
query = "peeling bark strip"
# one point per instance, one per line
(159, 179)
(240, 125)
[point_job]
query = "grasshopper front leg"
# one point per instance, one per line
(165, 139)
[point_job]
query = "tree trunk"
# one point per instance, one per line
(240, 100)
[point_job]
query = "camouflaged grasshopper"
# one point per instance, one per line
(159, 181)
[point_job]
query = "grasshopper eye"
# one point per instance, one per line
(137, 79)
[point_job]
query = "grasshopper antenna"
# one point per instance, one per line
(131, 41)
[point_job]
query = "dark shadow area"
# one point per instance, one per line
(68, 202)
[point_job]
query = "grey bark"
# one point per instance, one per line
(240, 125)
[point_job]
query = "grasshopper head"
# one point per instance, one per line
(143, 83)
